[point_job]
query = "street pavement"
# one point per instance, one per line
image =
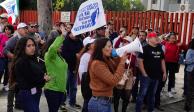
(175, 104)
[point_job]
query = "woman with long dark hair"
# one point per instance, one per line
(28, 74)
(190, 76)
(105, 73)
(4, 37)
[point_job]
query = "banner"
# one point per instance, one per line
(90, 16)
(12, 8)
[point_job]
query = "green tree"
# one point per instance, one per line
(58, 4)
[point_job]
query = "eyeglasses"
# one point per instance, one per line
(34, 26)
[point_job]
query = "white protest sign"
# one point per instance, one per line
(65, 16)
(90, 16)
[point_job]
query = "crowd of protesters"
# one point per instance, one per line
(31, 61)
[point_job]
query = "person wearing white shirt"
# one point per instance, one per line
(88, 43)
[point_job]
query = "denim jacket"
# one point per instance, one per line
(189, 60)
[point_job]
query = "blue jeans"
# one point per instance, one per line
(185, 81)
(4, 70)
(30, 102)
(99, 105)
(54, 99)
(72, 87)
(147, 86)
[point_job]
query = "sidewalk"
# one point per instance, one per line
(166, 101)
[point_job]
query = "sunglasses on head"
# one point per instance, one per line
(2, 18)
(26, 28)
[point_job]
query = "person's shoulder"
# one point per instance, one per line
(159, 46)
(13, 38)
(20, 61)
(146, 46)
(115, 39)
(2, 34)
(115, 33)
(97, 62)
(86, 55)
(191, 50)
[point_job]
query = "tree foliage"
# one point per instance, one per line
(111, 5)
(58, 4)
(69, 5)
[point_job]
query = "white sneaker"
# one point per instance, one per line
(173, 91)
(170, 95)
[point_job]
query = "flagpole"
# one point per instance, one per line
(17, 1)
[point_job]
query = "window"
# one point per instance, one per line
(154, 1)
(179, 1)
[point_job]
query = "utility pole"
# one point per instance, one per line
(44, 8)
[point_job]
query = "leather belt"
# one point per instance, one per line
(110, 99)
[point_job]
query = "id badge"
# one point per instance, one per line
(33, 91)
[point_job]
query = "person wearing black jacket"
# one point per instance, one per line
(70, 49)
(28, 74)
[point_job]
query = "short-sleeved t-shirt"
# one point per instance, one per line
(152, 57)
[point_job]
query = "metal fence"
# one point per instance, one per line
(181, 23)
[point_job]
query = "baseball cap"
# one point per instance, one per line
(88, 40)
(152, 35)
(21, 25)
(4, 15)
(102, 28)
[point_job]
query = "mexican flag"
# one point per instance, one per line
(12, 8)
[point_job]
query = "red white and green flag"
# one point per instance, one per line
(12, 8)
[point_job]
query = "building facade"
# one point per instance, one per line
(169, 5)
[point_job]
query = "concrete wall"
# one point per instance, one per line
(167, 5)
(174, 7)
(145, 3)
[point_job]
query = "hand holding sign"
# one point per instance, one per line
(90, 16)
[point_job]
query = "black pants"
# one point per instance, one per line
(158, 92)
(54, 99)
(124, 95)
(171, 69)
(190, 92)
(185, 81)
(135, 88)
(86, 91)
(6, 76)
(13, 93)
